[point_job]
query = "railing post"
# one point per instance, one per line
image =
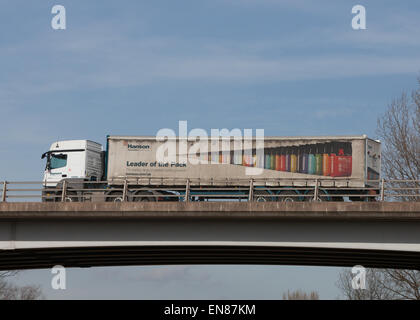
(64, 191)
(251, 190)
(383, 190)
(125, 189)
(316, 191)
(3, 196)
(187, 191)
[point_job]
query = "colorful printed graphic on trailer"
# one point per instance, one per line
(324, 159)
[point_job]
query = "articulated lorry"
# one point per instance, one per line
(142, 168)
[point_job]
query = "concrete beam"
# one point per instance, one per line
(392, 211)
(38, 235)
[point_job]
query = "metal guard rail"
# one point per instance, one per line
(177, 189)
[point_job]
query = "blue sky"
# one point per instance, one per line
(134, 67)
(186, 282)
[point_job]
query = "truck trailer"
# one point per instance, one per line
(150, 168)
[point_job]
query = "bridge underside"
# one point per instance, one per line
(318, 234)
(84, 257)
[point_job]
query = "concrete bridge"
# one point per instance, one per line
(373, 234)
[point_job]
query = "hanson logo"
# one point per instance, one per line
(138, 146)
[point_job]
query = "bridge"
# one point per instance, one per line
(372, 234)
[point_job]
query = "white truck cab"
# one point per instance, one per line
(73, 159)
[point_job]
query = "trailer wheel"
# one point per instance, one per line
(150, 197)
(115, 196)
(322, 196)
(288, 196)
(262, 196)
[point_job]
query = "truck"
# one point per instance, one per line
(150, 168)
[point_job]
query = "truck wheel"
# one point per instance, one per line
(71, 197)
(288, 196)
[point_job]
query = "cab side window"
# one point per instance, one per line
(58, 161)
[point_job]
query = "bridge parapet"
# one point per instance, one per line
(195, 210)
